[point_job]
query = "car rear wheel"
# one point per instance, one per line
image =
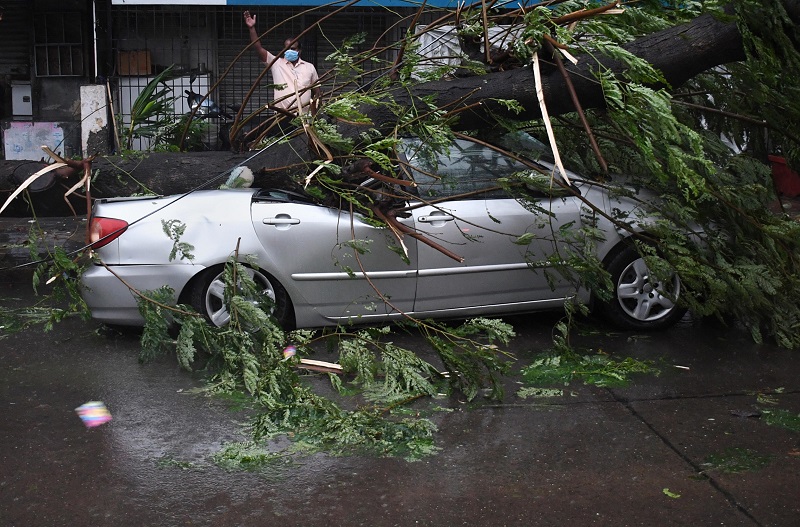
(641, 300)
(207, 296)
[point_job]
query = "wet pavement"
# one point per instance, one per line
(624, 456)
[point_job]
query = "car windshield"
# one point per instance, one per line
(468, 168)
(524, 144)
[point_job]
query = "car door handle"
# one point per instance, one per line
(280, 220)
(435, 217)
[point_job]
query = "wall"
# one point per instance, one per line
(55, 100)
(205, 40)
(94, 120)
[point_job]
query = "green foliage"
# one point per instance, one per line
(735, 460)
(472, 364)
(331, 136)
(743, 265)
(381, 153)
(174, 229)
(537, 25)
(746, 267)
(782, 418)
(254, 457)
(736, 258)
(317, 424)
(347, 67)
(761, 86)
(247, 355)
(194, 132)
(526, 392)
(670, 494)
(16, 319)
(595, 369)
(61, 273)
(346, 107)
(509, 104)
(169, 462)
(153, 118)
(158, 318)
(56, 274)
(152, 111)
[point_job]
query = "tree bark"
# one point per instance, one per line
(680, 53)
(151, 173)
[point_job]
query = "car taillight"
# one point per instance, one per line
(105, 230)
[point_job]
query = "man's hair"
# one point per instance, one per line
(295, 43)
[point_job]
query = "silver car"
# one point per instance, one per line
(325, 266)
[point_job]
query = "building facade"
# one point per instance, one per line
(70, 70)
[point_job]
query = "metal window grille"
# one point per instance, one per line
(206, 47)
(59, 45)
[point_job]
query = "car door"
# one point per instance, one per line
(462, 210)
(337, 267)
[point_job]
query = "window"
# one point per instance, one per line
(467, 168)
(59, 45)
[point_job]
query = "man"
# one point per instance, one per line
(293, 77)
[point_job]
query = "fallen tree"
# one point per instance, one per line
(152, 173)
(745, 269)
(470, 103)
(662, 122)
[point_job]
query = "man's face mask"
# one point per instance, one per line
(291, 55)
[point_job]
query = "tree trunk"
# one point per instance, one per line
(680, 53)
(152, 173)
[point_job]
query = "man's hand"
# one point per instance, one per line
(249, 20)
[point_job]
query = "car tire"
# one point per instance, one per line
(638, 301)
(206, 295)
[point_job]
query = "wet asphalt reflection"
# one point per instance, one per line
(592, 456)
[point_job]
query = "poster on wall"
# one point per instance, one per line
(23, 140)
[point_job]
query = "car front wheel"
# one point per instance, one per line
(207, 296)
(641, 300)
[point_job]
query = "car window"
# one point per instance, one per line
(269, 194)
(469, 169)
(466, 168)
(526, 145)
